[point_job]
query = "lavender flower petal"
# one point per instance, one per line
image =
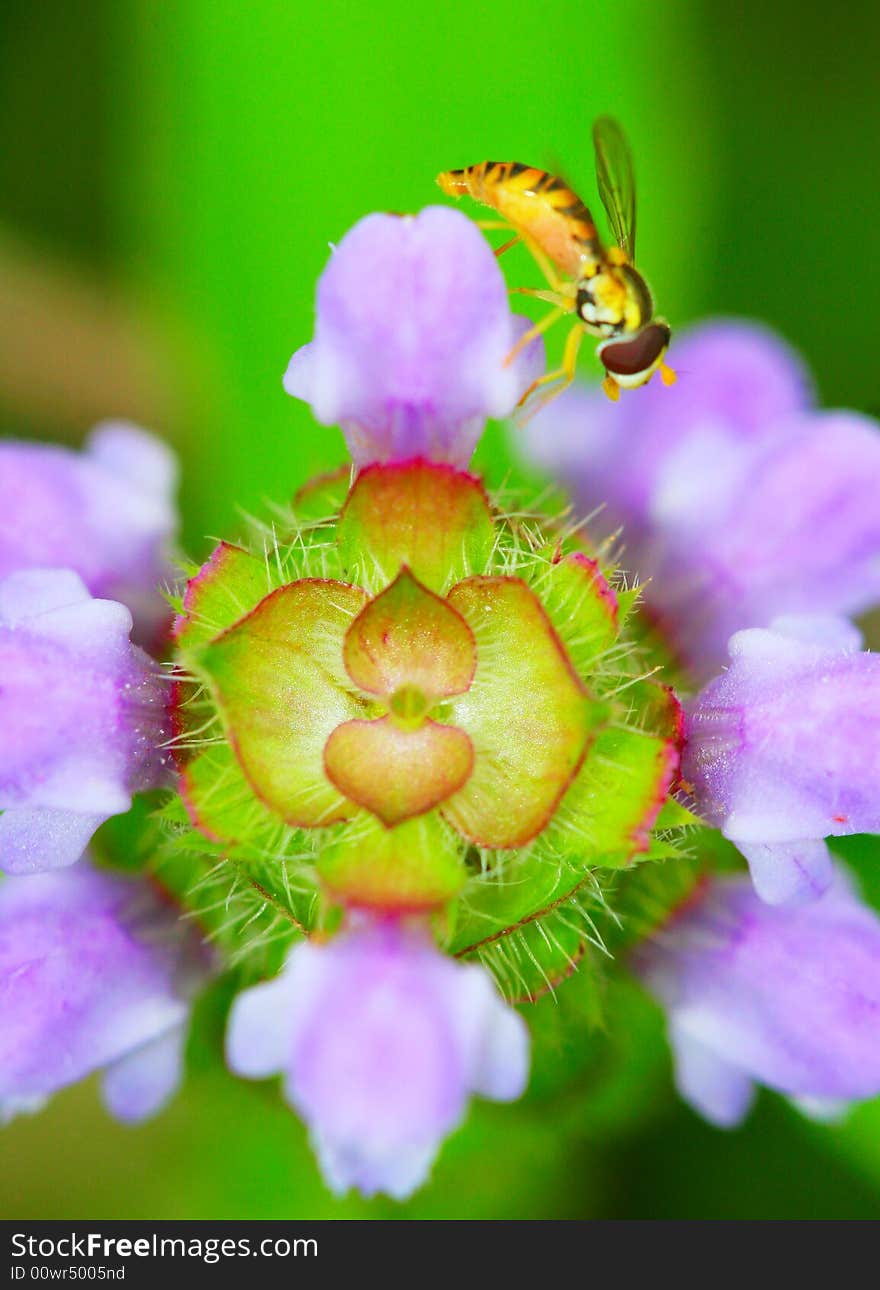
(12, 1107)
(800, 535)
(82, 716)
(95, 972)
(722, 1093)
(264, 1019)
(735, 379)
(789, 872)
(413, 326)
(32, 840)
(381, 1040)
(137, 1085)
(737, 500)
(787, 997)
(783, 750)
(106, 512)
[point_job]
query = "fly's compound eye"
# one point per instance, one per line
(638, 357)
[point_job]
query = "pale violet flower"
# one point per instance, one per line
(783, 750)
(756, 994)
(82, 718)
(380, 1040)
(737, 499)
(412, 331)
(96, 974)
(106, 512)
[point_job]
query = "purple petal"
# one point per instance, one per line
(387, 1039)
(83, 717)
(786, 873)
(413, 326)
(824, 1110)
(33, 839)
(107, 513)
(493, 1035)
(737, 502)
(139, 1084)
(721, 1093)
(32, 592)
(788, 997)
(783, 749)
(137, 458)
(734, 372)
(814, 629)
(94, 968)
(397, 1169)
(802, 532)
(259, 1036)
(734, 380)
(12, 1107)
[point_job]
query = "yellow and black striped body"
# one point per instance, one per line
(599, 285)
(535, 204)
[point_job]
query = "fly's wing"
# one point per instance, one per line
(617, 183)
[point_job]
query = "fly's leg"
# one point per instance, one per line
(611, 388)
(499, 250)
(560, 379)
(537, 330)
(560, 285)
(549, 297)
(496, 224)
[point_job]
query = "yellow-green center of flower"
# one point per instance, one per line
(409, 706)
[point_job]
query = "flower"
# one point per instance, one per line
(413, 327)
(380, 1040)
(783, 750)
(82, 715)
(107, 513)
(738, 500)
(407, 662)
(787, 997)
(96, 973)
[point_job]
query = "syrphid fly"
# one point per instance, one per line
(597, 283)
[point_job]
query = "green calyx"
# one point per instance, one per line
(409, 701)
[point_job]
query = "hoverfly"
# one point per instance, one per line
(597, 283)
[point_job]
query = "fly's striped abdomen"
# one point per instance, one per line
(534, 203)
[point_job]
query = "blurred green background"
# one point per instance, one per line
(170, 177)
